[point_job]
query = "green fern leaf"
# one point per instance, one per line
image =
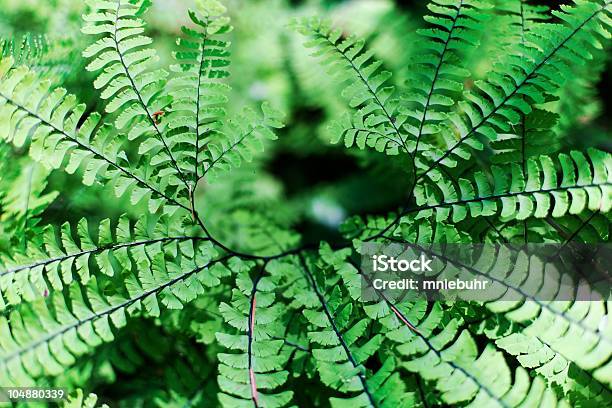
(438, 70)
(47, 335)
(499, 102)
(52, 119)
(130, 85)
(254, 370)
(240, 140)
(199, 94)
(341, 349)
(584, 184)
(378, 121)
(68, 253)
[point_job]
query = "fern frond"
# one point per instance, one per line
(534, 133)
(538, 69)
(377, 122)
(70, 252)
(198, 112)
(62, 135)
(557, 323)
(576, 97)
(133, 89)
(51, 56)
(463, 374)
(534, 354)
(439, 351)
(519, 17)
(255, 370)
(341, 349)
(585, 183)
(199, 94)
(43, 337)
(438, 72)
(240, 140)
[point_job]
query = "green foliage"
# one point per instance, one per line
(584, 185)
(254, 368)
(206, 275)
(341, 348)
(38, 52)
(23, 198)
(374, 123)
(78, 400)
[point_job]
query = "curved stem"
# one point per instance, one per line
(250, 329)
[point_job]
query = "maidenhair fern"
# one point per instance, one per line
(208, 286)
